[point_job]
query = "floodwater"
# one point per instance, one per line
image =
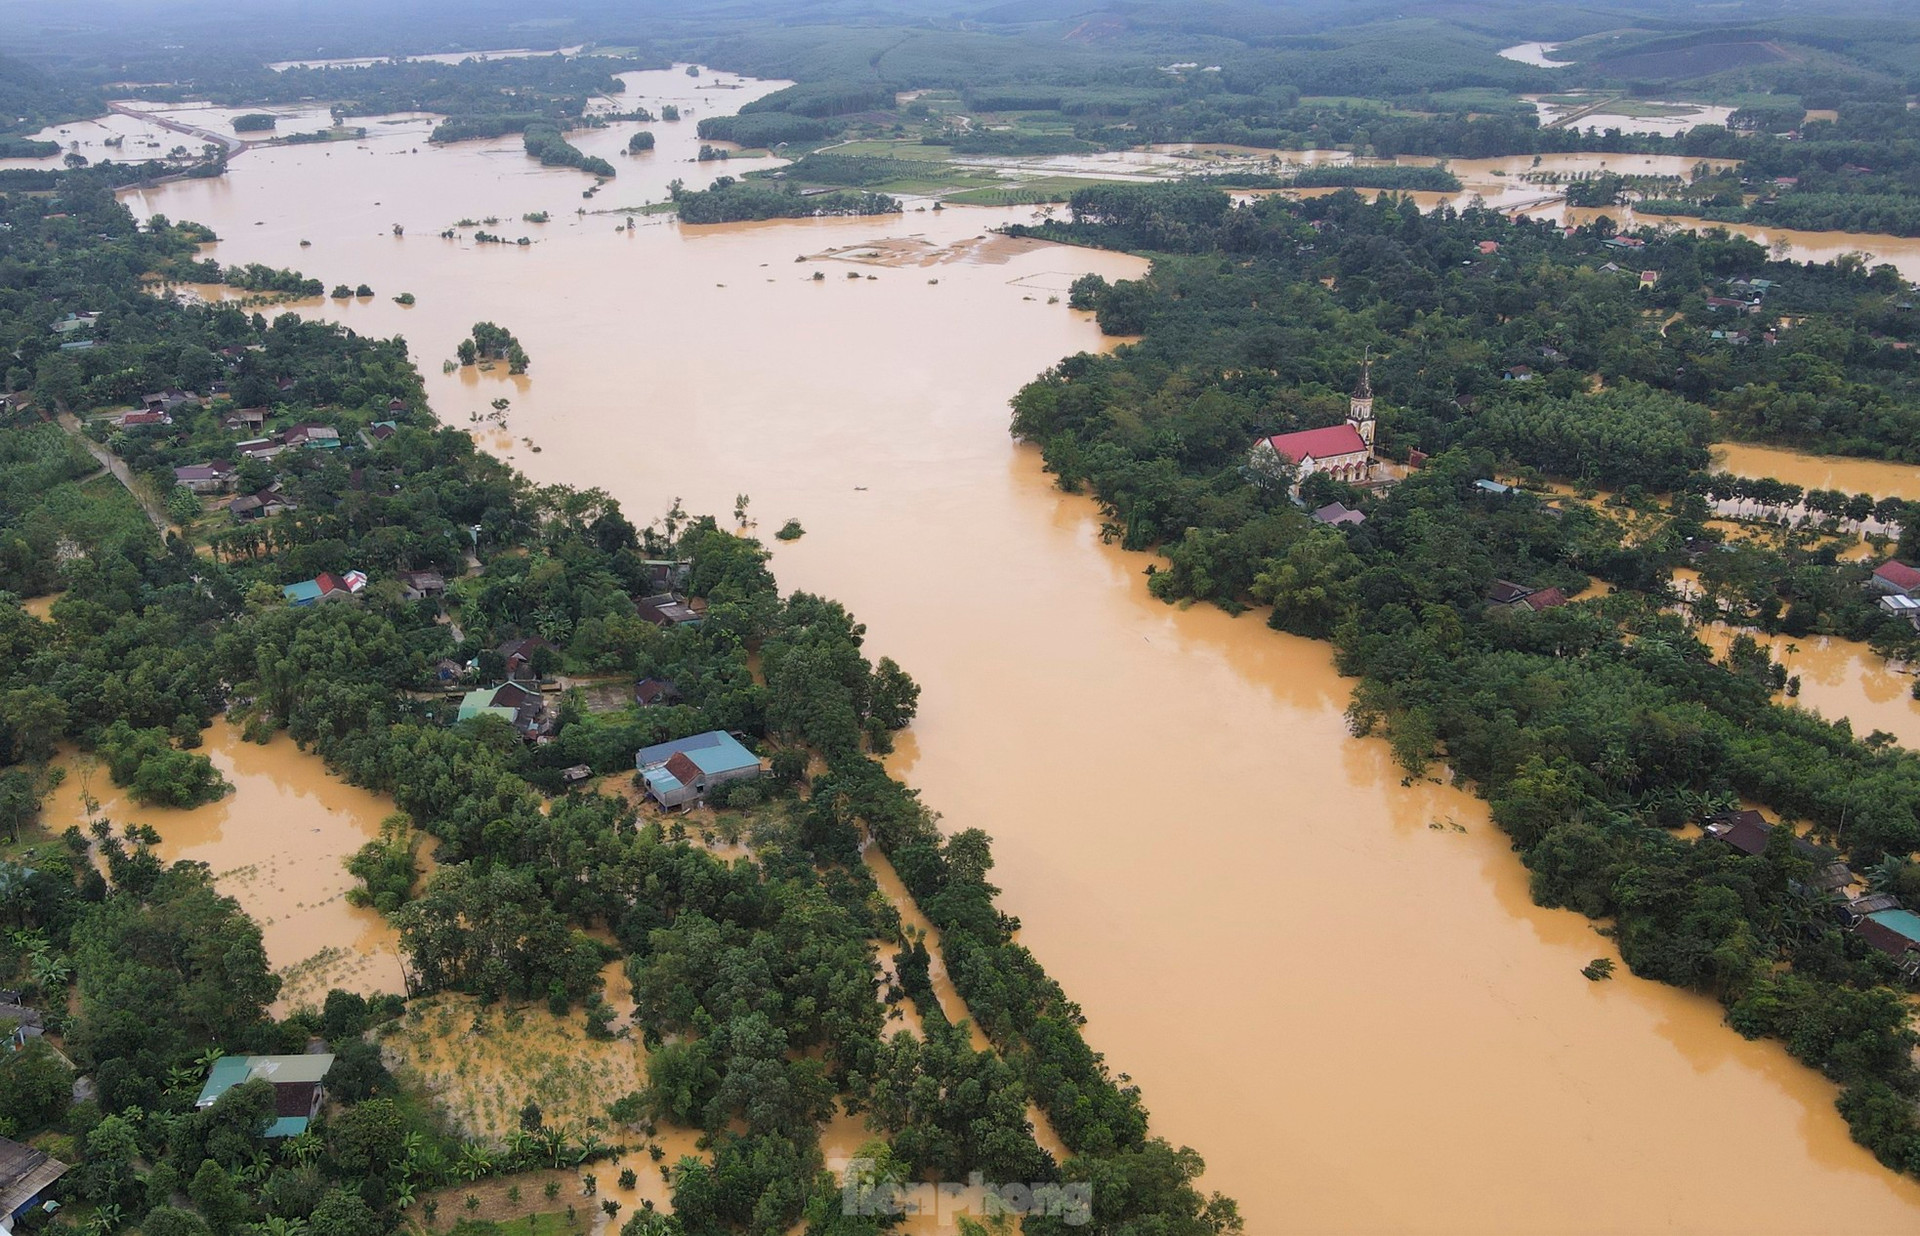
(1539, 55)
(1879, 477)
(1838, 678)
(277, 844)
(1663, 117)
(358, 62)
(1315, 973)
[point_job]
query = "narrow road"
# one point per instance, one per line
(230, 144)
(113, 463)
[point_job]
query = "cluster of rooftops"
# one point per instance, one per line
(1879, 919)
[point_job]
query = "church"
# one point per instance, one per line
(1344, 452)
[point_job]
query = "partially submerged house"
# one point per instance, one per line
(1895, 932)
(25, 1176)
(685, 769)
(298, 1092)
(1895, 578)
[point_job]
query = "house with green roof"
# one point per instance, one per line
(297, 1089)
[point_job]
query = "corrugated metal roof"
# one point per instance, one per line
(1905, 922)
(715, 751)
(1325, 443)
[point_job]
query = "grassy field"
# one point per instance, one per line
(1024, 192)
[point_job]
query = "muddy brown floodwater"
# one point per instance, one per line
(1332, 986)
(277, 845)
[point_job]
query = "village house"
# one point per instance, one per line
(1896, 933)
(298, 1092)
(1649, 279)
(522, 707)
(245, 420)
(169, 401)
(75, 321)
(325, 587)
(258, 448)
(1625, 242)
(1748, 832)
(655, 692)
(18, 1023)
(206, 478)
(312, 435)
(1343, 452)
(1516, 373)
(1903, 606)
(380, 431)
(1506, 592)
(666, 610)
(1337, 514)
(1896, 578)
(143, 419)
(685, 769)
(518, 655)
(261, 505)
(419, 585)
(25, 1176)
(665, 575)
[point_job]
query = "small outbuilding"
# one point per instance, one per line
(25, 1176)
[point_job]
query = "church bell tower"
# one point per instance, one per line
(1360, 403)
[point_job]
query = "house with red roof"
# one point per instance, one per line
(1344, 451)
(1895, 578)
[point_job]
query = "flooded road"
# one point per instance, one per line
(1879, 477)
(276, 845)
(1311, 970)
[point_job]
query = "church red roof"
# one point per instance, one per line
(1319, 443)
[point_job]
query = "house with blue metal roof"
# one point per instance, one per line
(685, 769)
(297, 1092)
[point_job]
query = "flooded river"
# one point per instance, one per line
(276, 845)
(1317, 975)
